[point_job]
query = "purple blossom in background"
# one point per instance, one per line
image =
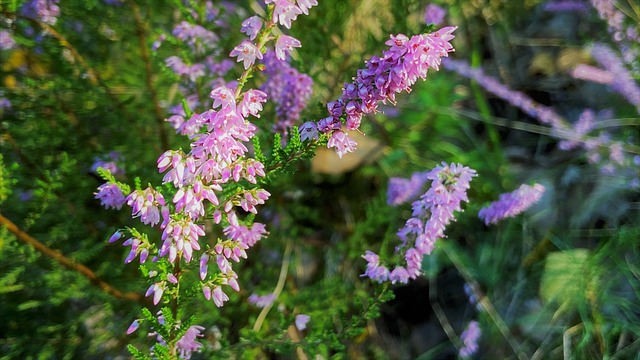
(262, 301)
(110, 196)
(593, 74)
(434, 14)
(111, 164)
(623, 82)
(288, 88)
(301, 321)
(46, 11)
(406, 60)
(544, 114)
(431, 215)
(469, 338)
(193, 72)
(585, 124)
(5, 104)
(6, 40)
(402, 190)
(626, 39)
(197, 37)
(188, 344)
(565, 5)
(511, 204)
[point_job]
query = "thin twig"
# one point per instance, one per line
(279, 287)
(141, 31)
(68, 263)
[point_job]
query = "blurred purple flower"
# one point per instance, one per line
(565, 5)
(470, 337)
(623, 82)
(402, 190)
(262, 301)
(46, 11)
(434, 14)
(6, 40)
(511, 204)
(301, 321)
(110, 196)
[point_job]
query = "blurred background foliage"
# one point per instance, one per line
(561, 281)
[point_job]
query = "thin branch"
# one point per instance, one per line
(141, 31)
(68, 263)
(279, 286)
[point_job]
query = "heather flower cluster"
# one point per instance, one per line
(431, 215)
(544, 114)
(46, 11)
(570, 134)
(511, 204)
(288, 88)
(406, 60)
(627, 38)
(622, 81)
(185, 346)
(470, 337)
(6, 40)
(403, 190)
(565, 5)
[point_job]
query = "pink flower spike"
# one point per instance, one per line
(285, 45)
(301, 321)
(246, 52)
(251, 27)
(133, 327)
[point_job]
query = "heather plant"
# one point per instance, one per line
(233, 179)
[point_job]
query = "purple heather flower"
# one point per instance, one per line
(193, 72)
(196, 36)
(288, 88)
(111, 165)
(187, 343)
(593, 74)
(431, 214)
(511, 204)
(341, 142)
(251, 27)
(406, 60)
(5, 104)
(305, 5)
(6, 40)
(565, 5)
(544, 114)
(470, 337)
(115, 237)
(434, 14)
(46, 11)
(301, 321)
(623, 82)
(110, 196)
(285, 45)
(284, 12)
(308, 131)
(403, 190)
(251, 103)
(246, 52)
(144, 204)
(262, 301)
(133, 327)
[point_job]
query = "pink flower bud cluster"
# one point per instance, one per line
(511, 204)
(406, 60)
(288, 88)
(431, 215)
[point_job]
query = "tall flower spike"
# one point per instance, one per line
(406, 60)
(511, 204)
